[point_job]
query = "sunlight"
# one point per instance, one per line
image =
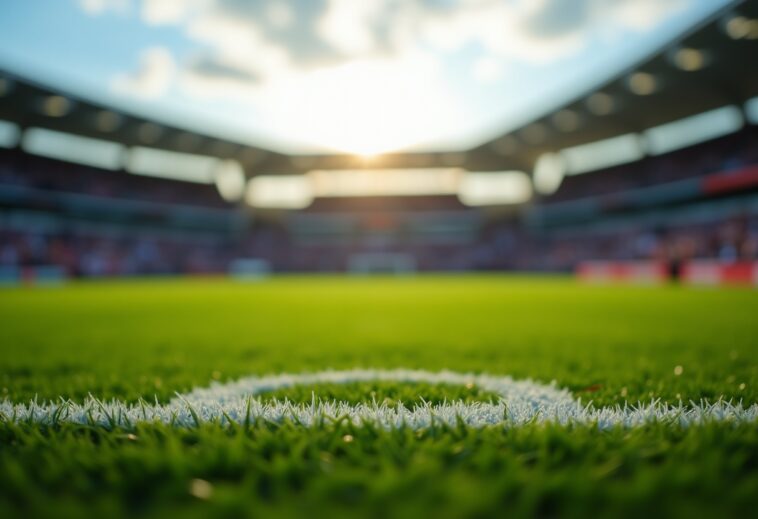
(364, 107)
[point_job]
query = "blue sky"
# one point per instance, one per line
(362, 76)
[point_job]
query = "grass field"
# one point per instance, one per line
(151, 339)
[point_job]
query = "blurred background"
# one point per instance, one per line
(616, 139)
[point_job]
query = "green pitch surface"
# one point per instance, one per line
(608, 345)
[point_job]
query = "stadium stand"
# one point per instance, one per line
(671, 196)
(94, 222)
(727, 154)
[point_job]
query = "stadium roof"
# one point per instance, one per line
(711, 66)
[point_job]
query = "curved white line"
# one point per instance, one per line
(521, 402)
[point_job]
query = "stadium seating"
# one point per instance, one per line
(94, 222)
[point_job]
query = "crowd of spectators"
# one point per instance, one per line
(503, 243)
(725, 154)
(24, 170)
(727, 240)
(93, 255)
(500, 248)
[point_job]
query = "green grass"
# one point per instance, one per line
(610, 345)
(382, 392)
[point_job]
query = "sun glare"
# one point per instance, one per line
(365, 107)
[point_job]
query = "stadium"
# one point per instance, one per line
(455, 259)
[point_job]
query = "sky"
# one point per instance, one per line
(357, 76)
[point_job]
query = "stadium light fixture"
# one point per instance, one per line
(602, 154)
(73, 148)
(600, 103)
(56, 106)
(693, 130)
(496, 188)
(149, 133)
(689, 60)
(642, 83)
(279, 192)
(107, 121)
(230, 180)
(171, 164)
(741, 27)
(548, 174)
(9, 134)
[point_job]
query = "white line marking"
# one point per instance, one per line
(521, 402)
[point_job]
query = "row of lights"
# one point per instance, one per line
(639, 83)
(106, 121)
(741, 28)
(550, 167)
(148, 133)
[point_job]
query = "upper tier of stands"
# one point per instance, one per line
(23, 170)
(725, 154)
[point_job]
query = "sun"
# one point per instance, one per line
(365, 107)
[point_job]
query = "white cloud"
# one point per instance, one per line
(214, 80)
(241, 44)
(98, 7)
(162, 12)
(644, 15)
(152, 79)
(322, 69)
(538, 31)
(269, 39)
(280, 14)
(347, 25)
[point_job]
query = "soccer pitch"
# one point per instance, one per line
(140, 343)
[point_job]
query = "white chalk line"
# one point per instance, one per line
(520, 402)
